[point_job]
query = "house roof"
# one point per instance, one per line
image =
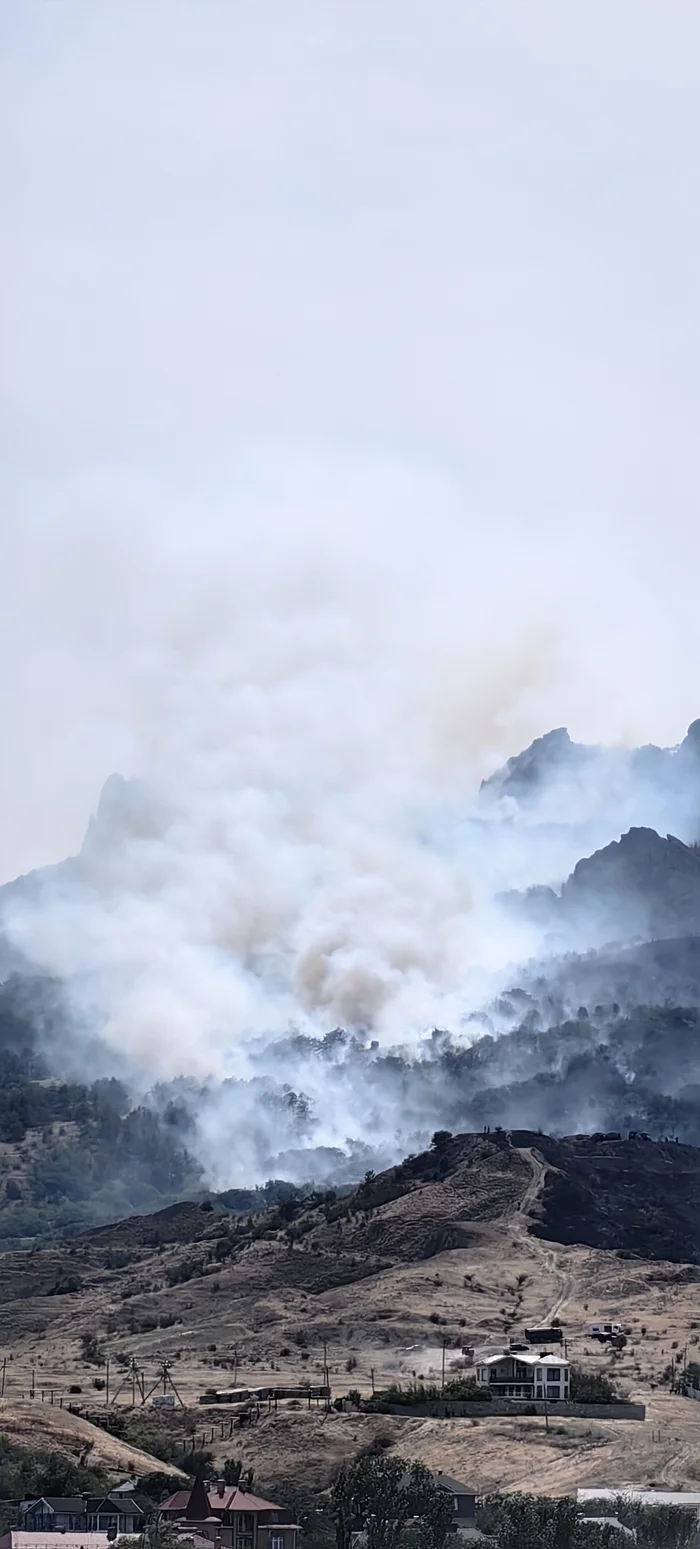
(524, 1357)
(230, 1498)
(453, 1485)
(197, 1508)
(118, 1502)
(74, 1504)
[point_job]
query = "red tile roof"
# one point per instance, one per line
(230, 1498)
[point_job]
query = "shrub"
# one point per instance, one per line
(591, 1388)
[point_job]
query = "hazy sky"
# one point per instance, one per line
(344, 302)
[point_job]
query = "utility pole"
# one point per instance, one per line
(107, 1384)
(444, 1347)
(133, 1378)
(165, 1378)
(4, 1373)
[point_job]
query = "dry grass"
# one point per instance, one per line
(272, 1308)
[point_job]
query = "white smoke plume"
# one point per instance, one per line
(313, 683)
(339, 463)
(311, 711)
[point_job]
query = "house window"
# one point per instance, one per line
(554, 1374)
(276, 1541)
(539, 1390)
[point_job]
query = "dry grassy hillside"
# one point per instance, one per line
(440, 1253)
(49, 1429)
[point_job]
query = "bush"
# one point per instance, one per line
(591, 1388)
(92, 1350)
(459, 1390)
(66, 1285)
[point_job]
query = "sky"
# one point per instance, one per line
(349, 394)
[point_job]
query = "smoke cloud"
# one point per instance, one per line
(339, 464)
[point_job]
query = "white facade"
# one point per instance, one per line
(520, 1374)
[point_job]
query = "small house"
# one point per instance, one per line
(116, 1514)
(463, 1501)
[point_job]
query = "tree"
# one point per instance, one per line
(310, 1508)
(158, 1535)
(655, 1526)
(157, 1486)
(441, 1140)
(432, 1505)
(591, 1387)
(529, 1521)
(383, 1494)
(233, 1469)
(371, 1491)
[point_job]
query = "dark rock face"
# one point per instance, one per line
(524, 775)
(639, 887)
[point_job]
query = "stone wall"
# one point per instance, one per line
(458, 1409)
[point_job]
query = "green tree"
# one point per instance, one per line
(529, 1521)
(432, 1505)
(371, 1491)
(591, 1387)
(383, 1494)
(310, 1508)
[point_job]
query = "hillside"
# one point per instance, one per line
(460, 1245)
(74, 1154)
(639, 887)
(46, 1428)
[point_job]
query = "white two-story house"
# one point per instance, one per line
(524, 1374)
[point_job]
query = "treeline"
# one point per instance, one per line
(81, 1155)
(532, 1066)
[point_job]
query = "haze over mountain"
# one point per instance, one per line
(347, 449)
(597, 1028)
